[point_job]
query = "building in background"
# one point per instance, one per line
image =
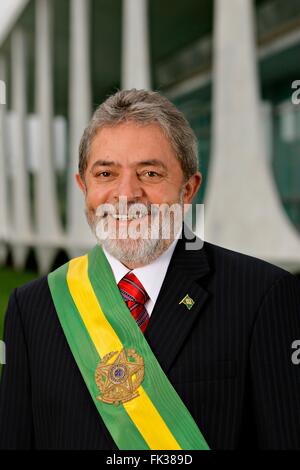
(229, 65)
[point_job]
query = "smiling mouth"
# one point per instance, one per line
(127, 217)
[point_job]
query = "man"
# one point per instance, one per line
(150, 341)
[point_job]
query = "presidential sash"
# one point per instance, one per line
(134, 397)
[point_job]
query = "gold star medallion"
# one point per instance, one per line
(118, 378)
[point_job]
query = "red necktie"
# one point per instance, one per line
(135, 297)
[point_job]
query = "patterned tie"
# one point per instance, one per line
(135, 297)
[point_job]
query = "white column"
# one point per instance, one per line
(135, 45)
(21, 235)
(4, 232)
(47, 219)
(242, 207)
(79, 235)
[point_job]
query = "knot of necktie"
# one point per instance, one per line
(132, 289)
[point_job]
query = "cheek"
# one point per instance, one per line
(163, 194)
(94, 197)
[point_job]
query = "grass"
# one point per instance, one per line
(9, 279)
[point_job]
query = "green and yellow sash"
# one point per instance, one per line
(97, 323)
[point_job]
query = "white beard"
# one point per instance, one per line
(143, 245)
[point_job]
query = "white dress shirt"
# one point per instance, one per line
(151, 276)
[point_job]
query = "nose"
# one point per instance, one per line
(129, 186)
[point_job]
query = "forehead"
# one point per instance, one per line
(132, 141)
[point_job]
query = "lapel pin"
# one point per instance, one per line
(187, 301)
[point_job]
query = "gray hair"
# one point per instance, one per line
(143, 107)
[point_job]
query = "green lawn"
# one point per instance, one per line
(9, 279)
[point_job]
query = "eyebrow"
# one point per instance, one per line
(152, 162)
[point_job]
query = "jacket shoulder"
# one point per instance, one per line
(36, 286)
(33, 294)
(241, 263)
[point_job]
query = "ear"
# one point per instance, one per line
(191, 187)
(80, 183)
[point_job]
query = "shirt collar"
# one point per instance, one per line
(151, 276)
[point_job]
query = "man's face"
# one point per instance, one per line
(138, 163)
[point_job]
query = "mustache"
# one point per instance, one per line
(130, 209)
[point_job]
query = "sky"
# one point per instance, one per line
(8, 10)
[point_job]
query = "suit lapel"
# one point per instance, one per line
(172, 321)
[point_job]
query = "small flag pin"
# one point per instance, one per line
(187, 301)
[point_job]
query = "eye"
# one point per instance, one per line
(104, 174)
(151, 174)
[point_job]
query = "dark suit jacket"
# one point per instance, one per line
(229, 358)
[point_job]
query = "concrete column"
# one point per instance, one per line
(242, 206)
(21, 235)
(135, 45)
(79, 235)
(4, 230)
(47, 220)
